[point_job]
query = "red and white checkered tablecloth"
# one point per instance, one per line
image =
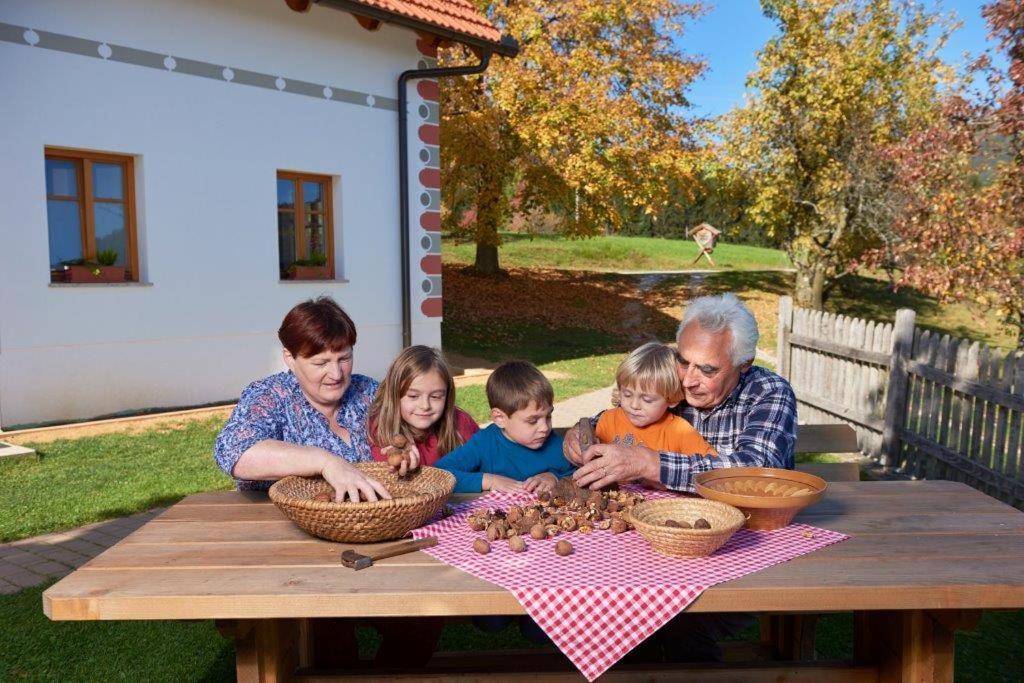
(613, 591)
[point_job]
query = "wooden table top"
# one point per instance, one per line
(914, 545)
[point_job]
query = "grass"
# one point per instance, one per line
(74, 482)
(42, 650)
(612, 252)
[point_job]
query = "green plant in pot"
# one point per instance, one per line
(103, 269)
(312, 268)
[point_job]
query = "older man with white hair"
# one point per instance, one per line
(747, 413)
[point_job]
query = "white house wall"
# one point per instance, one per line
(202, 322)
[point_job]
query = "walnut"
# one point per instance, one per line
(585, 528)
(568, 523)
(613, 506)
(619, 525)
(396, 459)
(538, 532)
(481, 546)
(603, 524)
(494, 532)
(400, 442)
(701, 523)
(515, 513)
(477, 523)
(552, 530)
(516, 544)
(563, 548)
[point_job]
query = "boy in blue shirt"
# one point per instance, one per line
(518, 451)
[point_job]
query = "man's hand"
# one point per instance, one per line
(571, 446)
(349, 482)
(496, 482)
(606, 464)
(539, 483)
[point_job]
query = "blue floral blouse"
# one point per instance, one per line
(276, 408)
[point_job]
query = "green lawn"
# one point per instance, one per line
(74, 482)
(613, 252)
(40, 650)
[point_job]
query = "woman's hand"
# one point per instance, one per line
(496, 482)
(541, 483)
(349, 482)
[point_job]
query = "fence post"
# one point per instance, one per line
(899, 380)
(785, 329)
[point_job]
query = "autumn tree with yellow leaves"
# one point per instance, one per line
(841, 81)
(584, 120)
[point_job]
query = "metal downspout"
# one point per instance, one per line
(403, 174)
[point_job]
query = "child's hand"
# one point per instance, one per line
(541, 483)
(496, 482)
(410, 459)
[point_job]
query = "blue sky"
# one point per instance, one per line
(730, 34)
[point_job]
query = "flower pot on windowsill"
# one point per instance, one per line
(308, 273)
(94, 273)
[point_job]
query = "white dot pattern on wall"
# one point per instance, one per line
(328, 93)
(31, 37)
(104, 51)
(371, 100)
(228, 73)
(170, 63)
(280, 83)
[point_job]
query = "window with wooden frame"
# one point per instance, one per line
(305, 226)
(90, 213)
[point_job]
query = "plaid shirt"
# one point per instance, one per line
(755, 426)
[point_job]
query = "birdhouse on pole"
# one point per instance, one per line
(705, 235)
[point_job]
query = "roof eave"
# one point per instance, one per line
(508, 47)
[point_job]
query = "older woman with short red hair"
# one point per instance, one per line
(309, 420)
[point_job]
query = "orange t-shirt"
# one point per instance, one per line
(671, 433)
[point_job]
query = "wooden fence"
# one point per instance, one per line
(927, 405)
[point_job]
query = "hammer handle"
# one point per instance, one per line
(401, 548)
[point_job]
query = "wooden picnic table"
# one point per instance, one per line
(924, 558)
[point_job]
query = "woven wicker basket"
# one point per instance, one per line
(771, 497)
(416, 498)
(649, 519)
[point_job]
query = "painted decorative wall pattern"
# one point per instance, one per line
(428, 132)
(84, 47)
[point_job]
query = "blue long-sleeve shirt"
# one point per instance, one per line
(491, 452)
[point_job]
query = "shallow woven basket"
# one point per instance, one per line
(771, 497)
(649, 518)
(416, 498)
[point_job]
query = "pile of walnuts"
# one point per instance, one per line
(567, 510)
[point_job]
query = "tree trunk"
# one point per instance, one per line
(810, 286)
(1019, 322)
(486, 259)
(489, 216)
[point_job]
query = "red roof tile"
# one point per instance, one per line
(457, 16)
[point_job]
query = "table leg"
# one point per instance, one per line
(910, 645)
(266, 650)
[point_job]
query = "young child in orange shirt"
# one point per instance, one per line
(648, 388)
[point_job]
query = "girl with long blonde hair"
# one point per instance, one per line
(416, 400)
